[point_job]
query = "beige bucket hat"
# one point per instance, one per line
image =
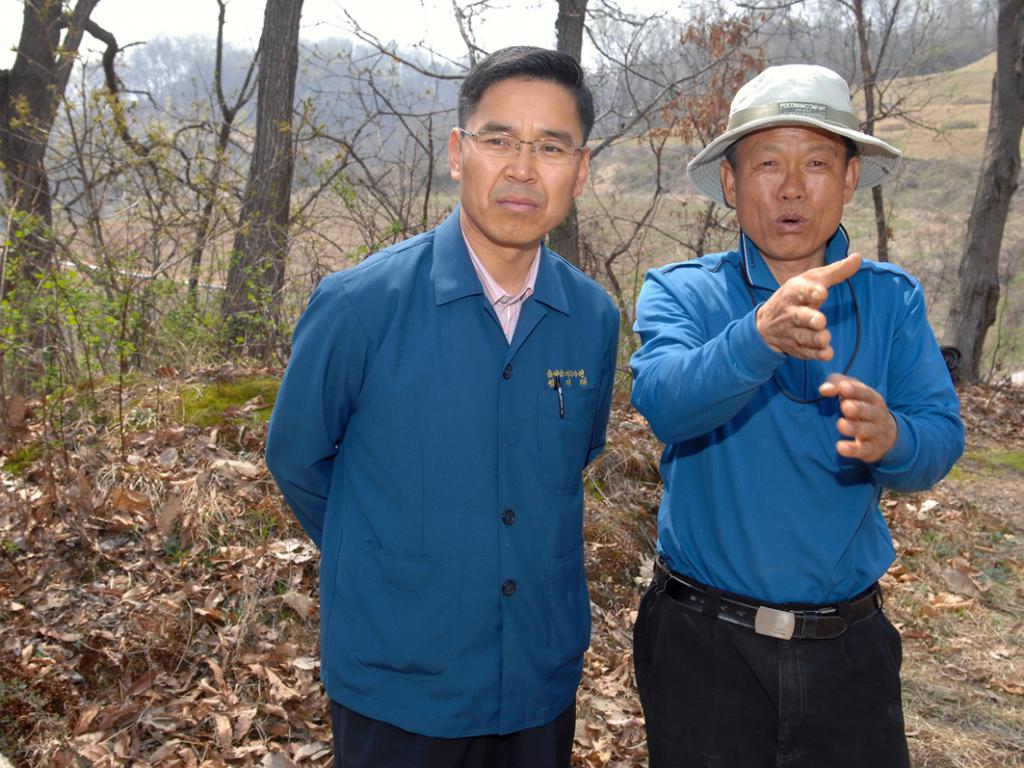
(794, 94)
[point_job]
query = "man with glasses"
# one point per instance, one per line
(441, 402)
(791, 382)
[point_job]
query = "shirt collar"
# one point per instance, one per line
(452, 271)
(757, 272)
(492, 288)
(454, 276)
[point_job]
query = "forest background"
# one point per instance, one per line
(168, 207)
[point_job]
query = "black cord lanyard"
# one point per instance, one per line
(753, 300)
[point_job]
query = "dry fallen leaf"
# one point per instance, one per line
(305, 663)
(218, 673)
(169, 513)
(1013, 688)
(944, 601)
(243, 722)
(961, 583)
(293, 550)
(1001, 652)
(127, 500)
(213, 614)
(278, 690)
(312, 751)
(223, 725)
(16, 408)
(85, 718)
(277, 760)
(164, 752)
(141, 683)
(301, 604)
(83, 493)
(168, 458)
(234, 469)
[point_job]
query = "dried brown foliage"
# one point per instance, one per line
(161, 610)
(701, 112)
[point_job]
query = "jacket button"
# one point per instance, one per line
(508, 588)
(508, 516)
(507, 373)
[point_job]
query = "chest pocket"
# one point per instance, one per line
(564, 427)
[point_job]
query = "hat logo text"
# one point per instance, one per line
(802, 108)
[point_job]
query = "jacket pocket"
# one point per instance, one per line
(565, 425)
(568, 610)
(405, 611)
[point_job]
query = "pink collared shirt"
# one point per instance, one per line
(506, 307)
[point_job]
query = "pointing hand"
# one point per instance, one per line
(791, 321)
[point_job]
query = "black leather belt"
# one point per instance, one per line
(773, 621)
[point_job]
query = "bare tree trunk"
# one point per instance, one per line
(870, 83)
(974, 308)
(29, 96)
(569, 26)
(565, 238)
(228, 114)
(881, 223)
(256, 269)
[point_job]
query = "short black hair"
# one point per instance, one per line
(531, 63)
(730, 152)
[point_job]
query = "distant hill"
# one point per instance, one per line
(951, 108)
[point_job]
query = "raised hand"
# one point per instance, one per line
(866, 419)
(791, 321)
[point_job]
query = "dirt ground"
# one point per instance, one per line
(158, 603)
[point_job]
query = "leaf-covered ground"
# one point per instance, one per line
(158, 604)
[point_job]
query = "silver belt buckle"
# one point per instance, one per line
(774, 623)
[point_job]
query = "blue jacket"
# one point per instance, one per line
(437, 467)
(757, 501)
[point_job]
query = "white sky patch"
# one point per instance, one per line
(406, 22)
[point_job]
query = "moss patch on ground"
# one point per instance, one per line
(996, 460)
(18, 462)
(212, 404)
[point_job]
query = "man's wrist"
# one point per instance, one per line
(759, 325)
(901, 449)
(895, 434)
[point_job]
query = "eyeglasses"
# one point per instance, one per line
(500, 144)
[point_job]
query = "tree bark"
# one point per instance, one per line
(569, 26)
(30, 93)
(974, 309)
(565, 238)
(257, 264)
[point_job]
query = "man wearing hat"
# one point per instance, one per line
(790, 382)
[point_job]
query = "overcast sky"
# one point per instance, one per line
(528, 22)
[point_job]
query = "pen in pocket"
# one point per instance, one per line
(561, 397)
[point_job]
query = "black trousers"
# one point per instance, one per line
(361, 742)
(717, 694)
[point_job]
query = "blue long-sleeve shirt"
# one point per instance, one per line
(757, 501)
(437, 467)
